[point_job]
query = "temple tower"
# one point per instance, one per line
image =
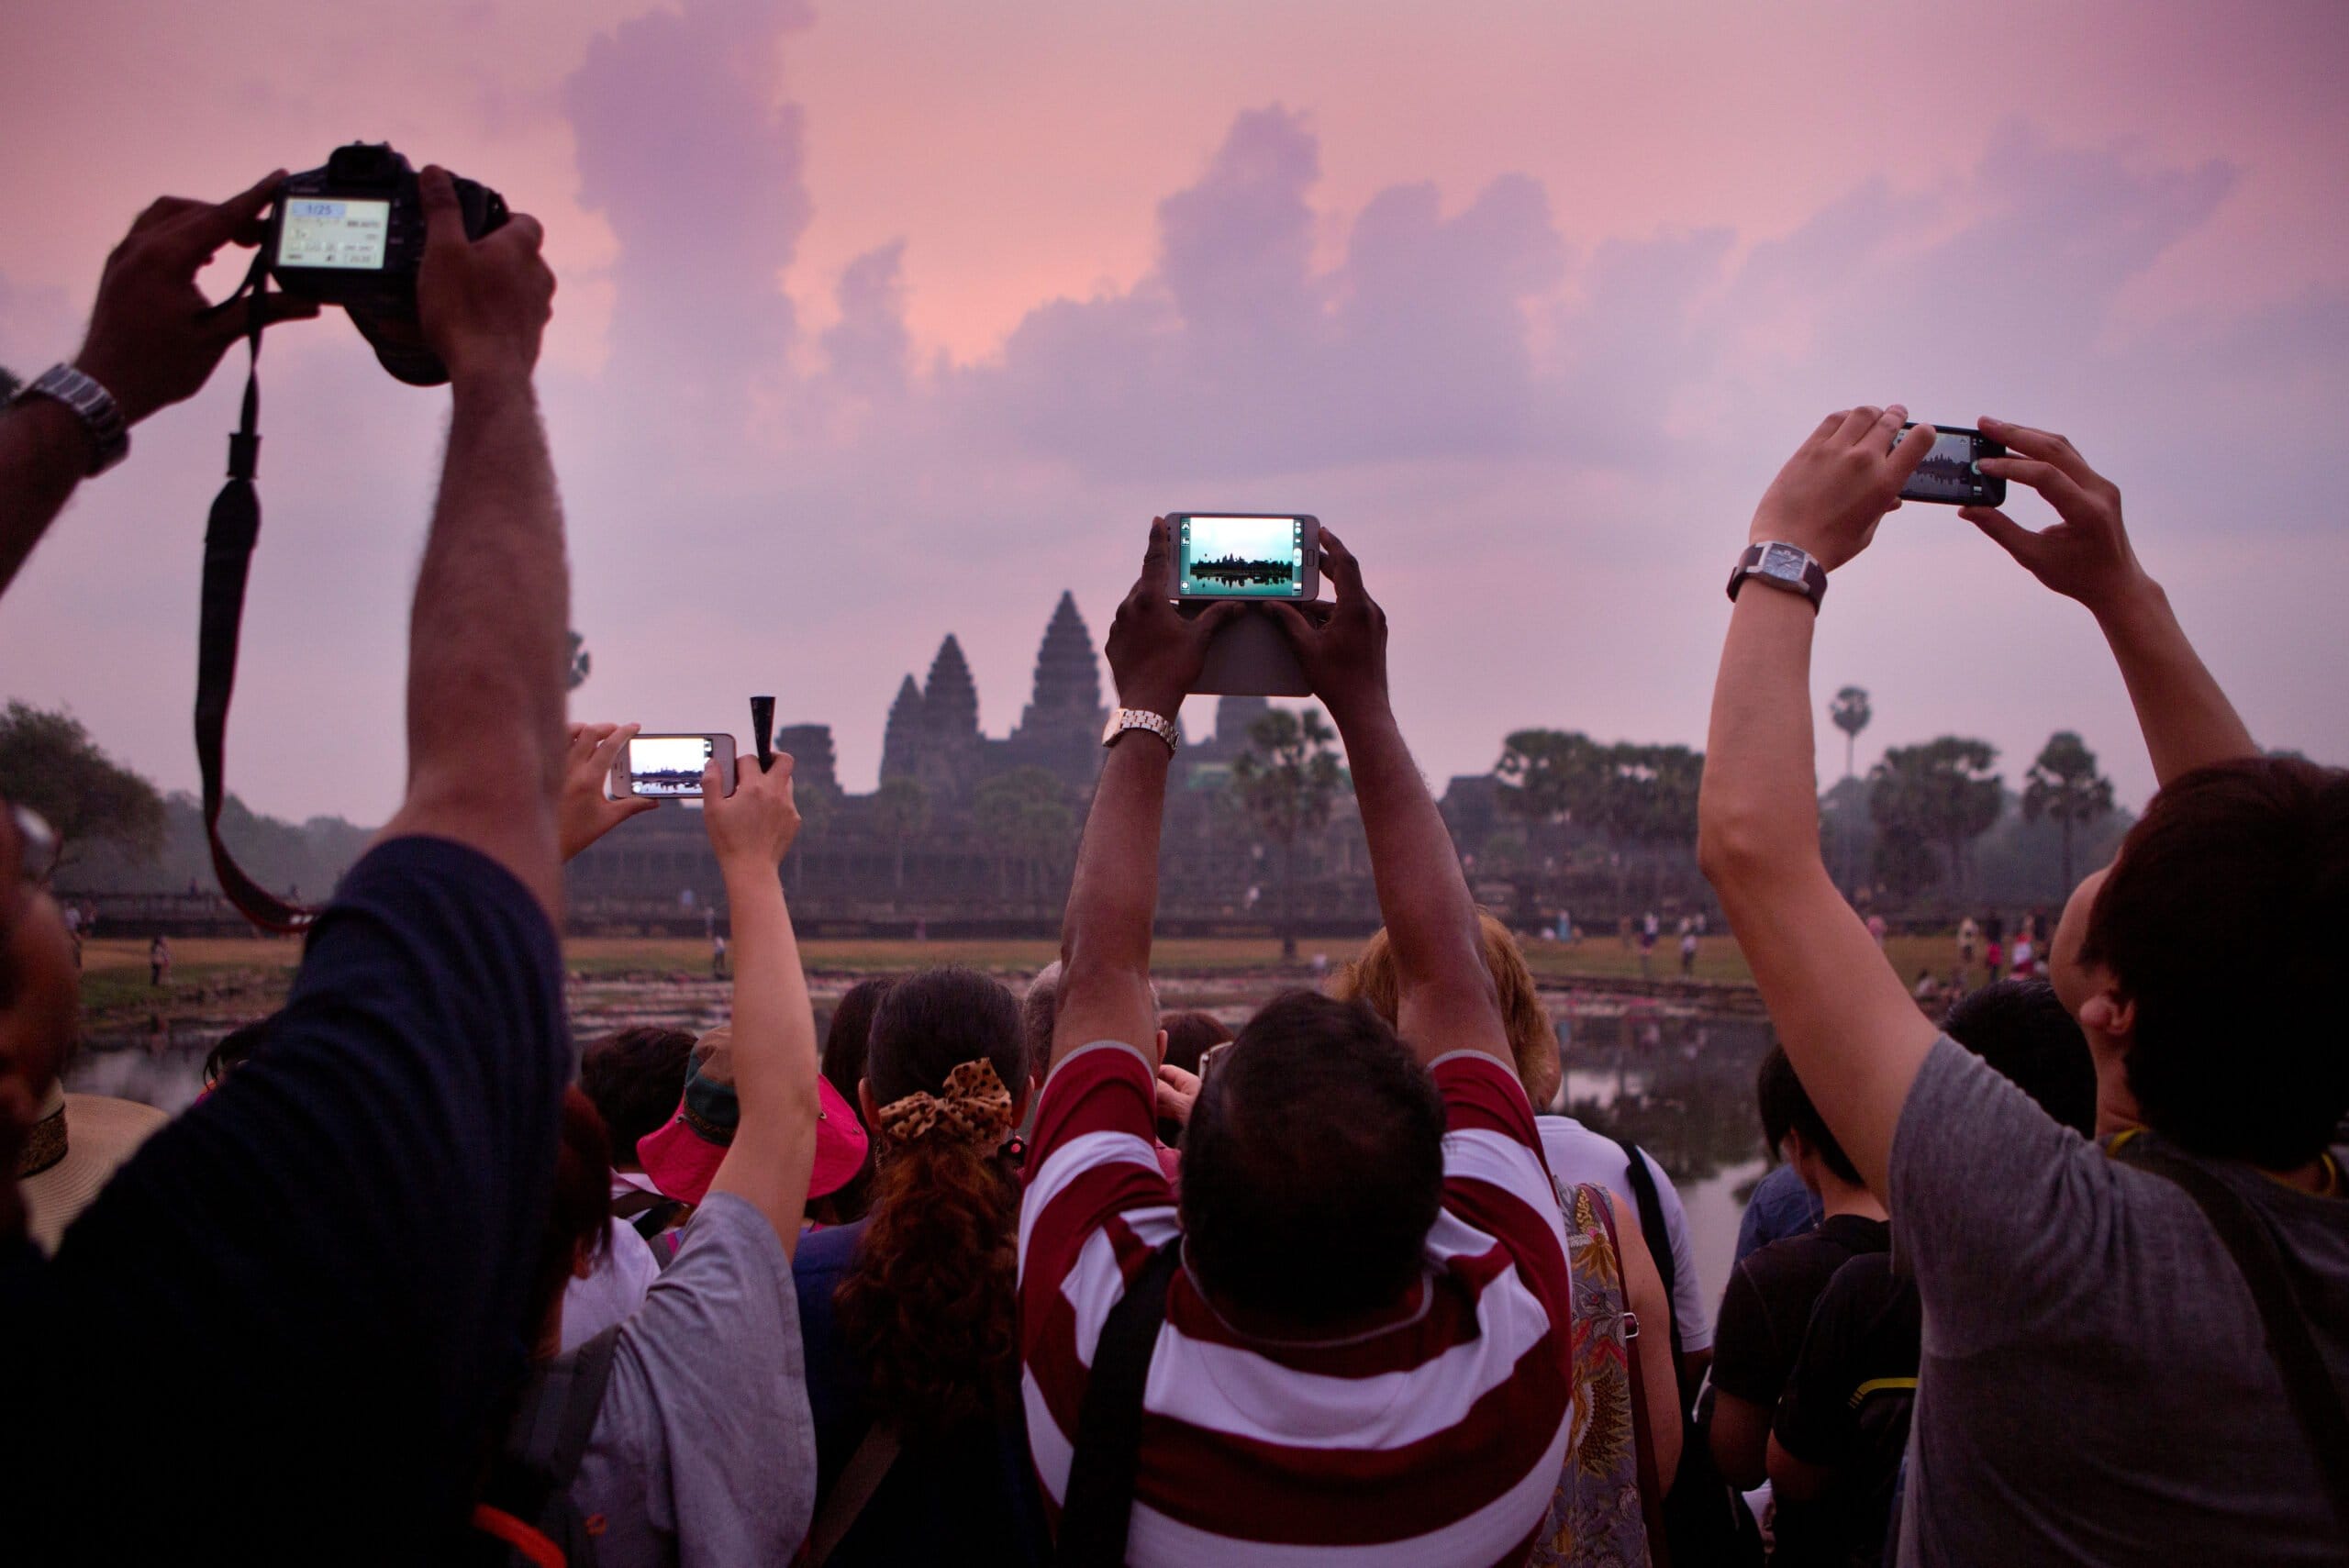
(903, 741)
(812, 762)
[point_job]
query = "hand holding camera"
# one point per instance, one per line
(482, 304)
(752, 829)
(1343, 653)
(1833, 492)
(154, 337)
(583, 812)
(1154, 650)
(2085, 555)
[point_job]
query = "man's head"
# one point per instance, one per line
(1313, 1164)
(1188, 1035)
(1793, 1125)
(1533, 1038)
(635, 1078)
(1039, 1006)
(2204, 965)
(2021, 1028)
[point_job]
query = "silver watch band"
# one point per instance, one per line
(91, 403)
(1127, 718)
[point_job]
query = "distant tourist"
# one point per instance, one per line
(1687, 949)
(717, 956)
(1927, 990)
(1969, 936)
(2026, 958)
(1878, 929)
(159, 960)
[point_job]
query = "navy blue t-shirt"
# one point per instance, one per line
(291, 1321)
(966, 1496)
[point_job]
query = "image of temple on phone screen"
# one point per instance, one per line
(1235, 556)
(1948, 469)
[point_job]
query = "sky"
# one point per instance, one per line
(882, 321)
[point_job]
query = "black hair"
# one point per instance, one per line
(846, 1040)
(1188, 1034)
(928, 1024)
(1786, 1107)
(2222, 921)
(1313, 1164)
(635, 1078)
(2021, 1028)
(234, 1049)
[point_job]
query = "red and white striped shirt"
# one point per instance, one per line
(1435, 1439)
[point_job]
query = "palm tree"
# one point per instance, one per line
(578, 665)
(1550, 777)
(1940, 792)
(1286, 781)
(2064, 784)
(1850, 712)
(900, 811)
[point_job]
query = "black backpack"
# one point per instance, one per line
(526, 1518)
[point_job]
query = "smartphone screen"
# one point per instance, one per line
(1951, 473)
(1220, 557)
(328, 231)
(668, 767)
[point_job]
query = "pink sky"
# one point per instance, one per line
(885, 320)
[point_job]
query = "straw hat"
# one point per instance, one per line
(71, 1151)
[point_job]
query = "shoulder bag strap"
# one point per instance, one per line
(1643, 1436)
(575, 1422)
(2316, 1402)
(1098, 1504)
(866, 1469)
(1653, 1231)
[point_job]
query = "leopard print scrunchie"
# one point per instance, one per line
(974, 1108)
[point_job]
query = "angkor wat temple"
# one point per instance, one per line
(945, 855)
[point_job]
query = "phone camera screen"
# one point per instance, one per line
(1241, 558)
(1950, 472)
(668, 764)
(326, 231)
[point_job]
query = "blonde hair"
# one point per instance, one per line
(1532, 1039)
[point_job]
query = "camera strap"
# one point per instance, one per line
(228, 540)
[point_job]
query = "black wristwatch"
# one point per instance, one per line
(1788, 567)
(91, 403)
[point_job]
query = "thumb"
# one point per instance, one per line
(2009, 534)
(636, 805)
(1219, 617)
(713, 783)
(277, 307)
(444, 221)
(1294, 625)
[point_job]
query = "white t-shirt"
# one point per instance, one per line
(1577, 1154)
(613, 1290)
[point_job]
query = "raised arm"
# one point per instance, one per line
(154, 340)
(1445, 999)
(774, 1025)
(2085, 555)
(1154, 655)
(1846, 1019)
(585, 813)
(486, 650)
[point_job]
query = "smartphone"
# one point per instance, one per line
(1235, 555)
(1952, 471)
(669, 767)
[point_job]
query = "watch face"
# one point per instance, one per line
(1783, 561)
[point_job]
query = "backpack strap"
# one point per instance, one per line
(866, 1469)
(1097, 1508)
(2316, 1402)
(649, 1213)
(1658, 1237)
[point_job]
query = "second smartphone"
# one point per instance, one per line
(669, 767)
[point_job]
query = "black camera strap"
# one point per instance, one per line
(228, 540)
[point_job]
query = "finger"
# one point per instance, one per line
(1827, 427)
(444, 220)
(1154, 554)
(277, 307)
(1856, 424)
(2044, 445)
(1181, 1078)
(224, 323)
(521, 230)
(2004, 531)
(1887, 427)
(636, 805)
(1913, 449)
(609, 744)
(199, 233)
(164, 211)
(2062, 492)
(1338, 564)
(1293, 626)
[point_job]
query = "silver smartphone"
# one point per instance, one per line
(1245, 555)
(669, 767)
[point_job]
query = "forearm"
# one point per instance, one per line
(43, 453)
(2187, 720)
(773, 1052)
(1112, 901)
(485, 690)
(1757, 811)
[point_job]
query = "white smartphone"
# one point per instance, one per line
(669, 767)
(1239, 555)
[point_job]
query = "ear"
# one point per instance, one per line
(1162, 1045)
(864, 1103)
(2111, 1015)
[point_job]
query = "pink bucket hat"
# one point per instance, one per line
(684, 1154)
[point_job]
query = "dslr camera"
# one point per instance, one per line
(353, 234)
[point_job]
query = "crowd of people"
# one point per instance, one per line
(1067, 1277)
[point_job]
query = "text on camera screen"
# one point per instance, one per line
(327, 231)
(1235, 558)
(668, 764)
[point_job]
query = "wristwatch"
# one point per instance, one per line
(93, 406)
(1127, 718)
(1788, 567)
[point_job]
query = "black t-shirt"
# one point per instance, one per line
(1764, 1312)
(285, 1328)
(1847, 1405)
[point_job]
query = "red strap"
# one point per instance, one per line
(527, 1540)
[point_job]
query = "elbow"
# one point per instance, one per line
(1739, 846)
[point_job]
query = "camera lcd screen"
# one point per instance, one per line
(1241, 558)
(328, 231)
(668, 764)
(1949, 472)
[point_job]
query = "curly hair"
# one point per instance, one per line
(929, 1303)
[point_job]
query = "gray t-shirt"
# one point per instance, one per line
(2096, 1385)
(704, 1451)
